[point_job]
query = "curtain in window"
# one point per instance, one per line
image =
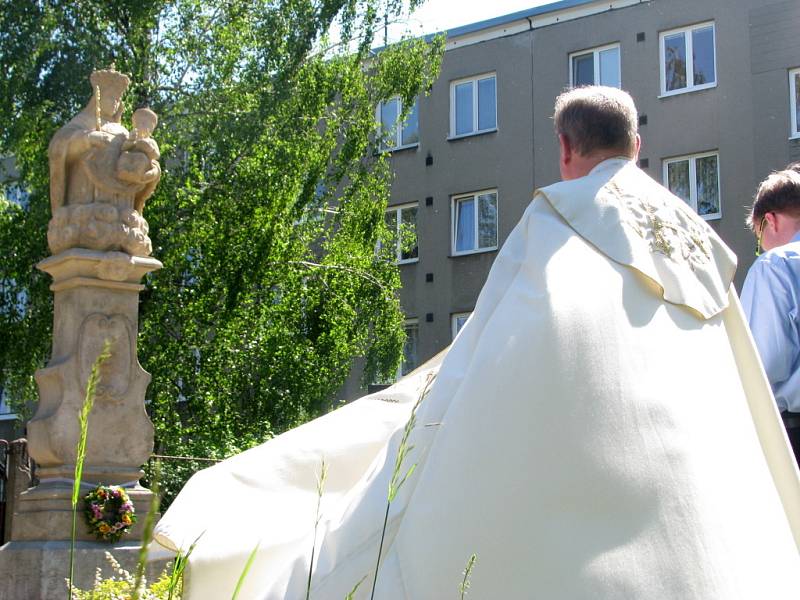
(703, 55)
(487, 103)
(411, 126)
(465, 225)
(675, 61)
(487, 222)
(707, 185)
(583, 69)
(464, 108)
(678, 180)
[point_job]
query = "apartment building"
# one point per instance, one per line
(717, 84)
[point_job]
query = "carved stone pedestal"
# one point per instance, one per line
(96, 299)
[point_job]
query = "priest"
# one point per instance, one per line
(601, 428)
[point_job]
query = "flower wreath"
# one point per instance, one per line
(109, 512)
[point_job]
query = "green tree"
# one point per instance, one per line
(268, 214)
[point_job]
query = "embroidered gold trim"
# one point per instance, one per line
(669, 228)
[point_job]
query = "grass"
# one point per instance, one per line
(352, 593)
(178, 567)
(80, 451)
(245, 571)
(323, 475)
(399, 479)
(147, 533)
(467, 572)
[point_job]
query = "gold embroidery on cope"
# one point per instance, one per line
(667, 226)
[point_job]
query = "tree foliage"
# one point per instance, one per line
(268, 214)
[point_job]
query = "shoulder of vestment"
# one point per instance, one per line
(636, 222)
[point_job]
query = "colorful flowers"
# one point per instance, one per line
(109, 512)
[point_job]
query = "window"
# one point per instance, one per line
(695, 179)
(13, 192)
(402, 221)
(394, 137)
(458, 320)
(474, 218)
(677, 75)
(410, 360)
(473, 105)
(794, 101)
(599, 66)
(6, 414)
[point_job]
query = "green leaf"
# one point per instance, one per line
(245, 571)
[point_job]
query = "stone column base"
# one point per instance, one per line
(45, 513)
(39, 570)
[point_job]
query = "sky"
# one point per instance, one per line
(438, 15)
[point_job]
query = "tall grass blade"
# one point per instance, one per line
(352, 593)
(467, 572)
(246, 570)
(80, 451)
(323, 475)
(147, 533)
(398, 480)
(178, 567)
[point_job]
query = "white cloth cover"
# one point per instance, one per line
(600, 429)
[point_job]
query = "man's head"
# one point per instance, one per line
(775, 216)
(594, 123)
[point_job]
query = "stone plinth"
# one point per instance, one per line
(45, 513)
(38, 571)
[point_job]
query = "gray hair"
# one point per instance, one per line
(597, 118)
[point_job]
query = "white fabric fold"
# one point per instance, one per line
(600, 429)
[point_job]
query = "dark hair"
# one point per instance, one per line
(780, 193)
(597, 118)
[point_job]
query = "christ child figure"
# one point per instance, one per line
(138, 161)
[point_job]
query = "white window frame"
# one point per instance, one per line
(692, 158)
(795, 126)
(474, 79)
(397, 209)
(474, 195)
(397, 142)
(596, 58)
(454, 321)
(690, 86)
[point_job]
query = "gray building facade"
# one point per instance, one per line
(717, 85)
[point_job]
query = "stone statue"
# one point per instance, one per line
(101, 175)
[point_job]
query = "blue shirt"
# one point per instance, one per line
(771, 298)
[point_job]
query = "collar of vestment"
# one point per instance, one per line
(636, 222)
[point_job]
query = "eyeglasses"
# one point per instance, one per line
(760, 235)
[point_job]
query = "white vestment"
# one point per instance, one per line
(600, 429)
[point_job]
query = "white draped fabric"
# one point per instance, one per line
(600, 429)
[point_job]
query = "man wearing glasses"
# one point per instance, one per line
(771, 292)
